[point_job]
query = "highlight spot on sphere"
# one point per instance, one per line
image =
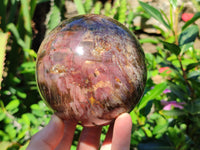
(90, 69)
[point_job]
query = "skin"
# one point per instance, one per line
(58, 135)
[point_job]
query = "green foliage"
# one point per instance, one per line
(154, 13)
(181, 60)
(168, 115)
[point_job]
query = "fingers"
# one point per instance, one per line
(122, 132)
(66, 141)
(108, 140)
(89, 138)
(49, 137)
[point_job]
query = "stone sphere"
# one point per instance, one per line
(90, 69)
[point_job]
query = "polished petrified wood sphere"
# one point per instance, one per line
(90, 69)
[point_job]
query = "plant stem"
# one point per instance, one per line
(192, 94)
(176, 26)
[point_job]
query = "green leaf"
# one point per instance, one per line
(12, 105)
(2, 115)
(186, 47)
(3, 13)
(27, 67)
(11, 131)
(80, 7)
(73, 147)
(159, 119)
(25, 7)
(22, 133)
(173, 48)
(25, 119)
(192, 65)
(152, 94)
(134, 117)
(122, 11)
(24, 147)
(88, 5)
(179, 91)
(4, 145)
(148, 40)
(193, 74)
(173, 112)
(21, 94)
(173, 3)
(36, 110)
(107, 8)
(154, 13)
(54, 17)
(158, 129)
(11, 27)
(193, 107)
(32, 118)
(194, 18)
(42, 1)
(97, 7)
(188, 35)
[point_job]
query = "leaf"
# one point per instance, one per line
(32, 118)
(194, 18)
(11, 131)
(193, 107)
(97, 7)
(27, 67)
(148, 40)
(192, 65)
(25, 119)
(42, 1)
(80, 7)
(158, 129)
(173, 3)
(107, 8)
(21, 94)
(154, 13)
(173, 48)
(172, 113)
(88, 5)
(3, 13)
(186, 47)
(178, 91)
(188, 35)
(54, 16)
(24, 147)
(122, 11)
(3, 38)
(4, 145)
(2, 114)
(25, 7)
(152, 94)
(193, 74)
(36, 110)
(11, 27)
(12, 105)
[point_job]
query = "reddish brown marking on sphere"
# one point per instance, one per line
(90, 69)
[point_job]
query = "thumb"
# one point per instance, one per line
(49, 137)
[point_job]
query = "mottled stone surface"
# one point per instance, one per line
(90, 69)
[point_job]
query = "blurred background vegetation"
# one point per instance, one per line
(168, 115)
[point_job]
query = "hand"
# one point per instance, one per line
(58, 135)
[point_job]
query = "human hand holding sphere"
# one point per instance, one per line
(91, 69)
